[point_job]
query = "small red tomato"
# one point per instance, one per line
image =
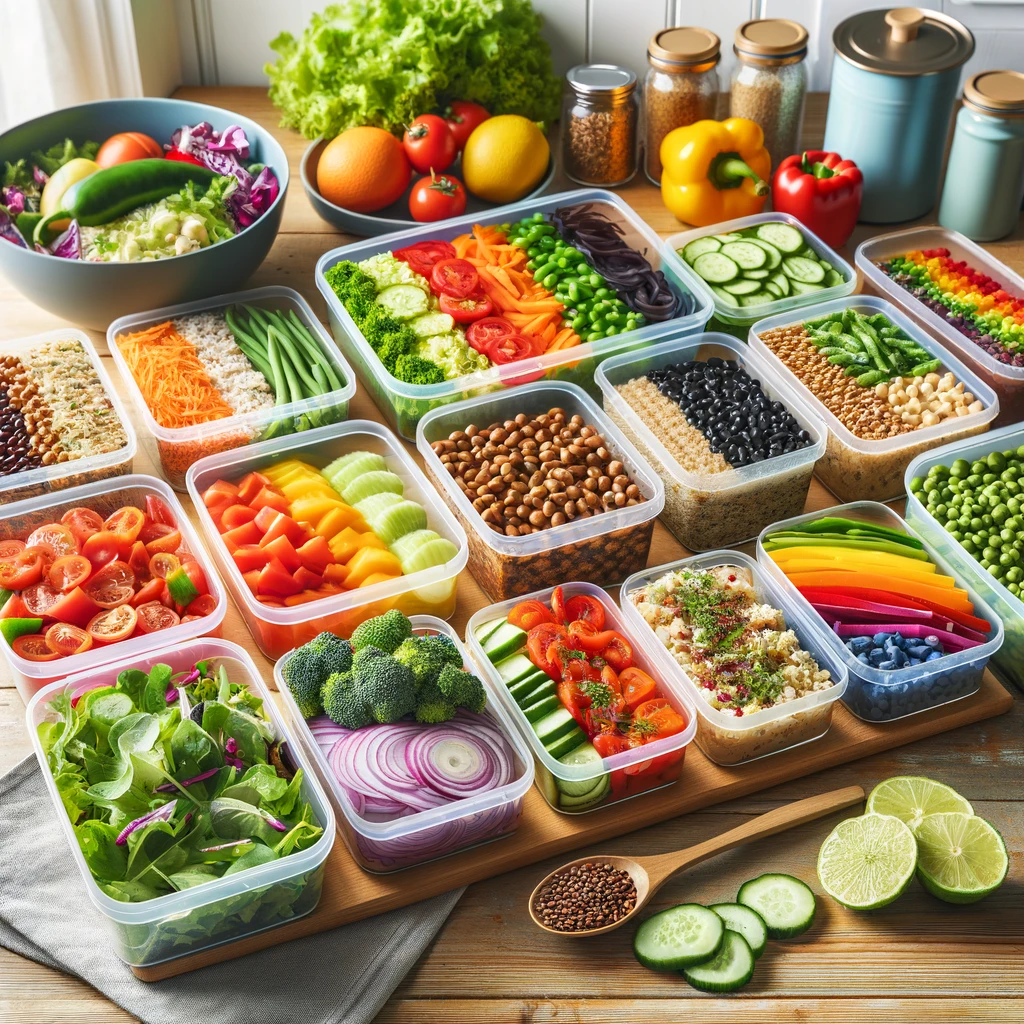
(462, 117)
(128, 146)
(467, 310)
(437, 198)
(429, 144)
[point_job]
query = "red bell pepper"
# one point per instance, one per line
(822, 190)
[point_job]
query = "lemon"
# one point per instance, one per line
(505, 157)
(63, 178)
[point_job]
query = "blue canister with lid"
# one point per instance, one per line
(985, 173)
(894, 81)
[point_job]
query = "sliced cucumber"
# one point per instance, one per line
(731, 967)
(554, 726)
(726, 239)
(544, 706)
(487, 629)
(758, 298)
(699, 246)
(745, 255)
(742, 286)
(771, 286)
(832, 278)
(747, 922)
(583, 754)
(758, 275)
(505, 640)
(802, 288)
(715, 268)
(532, 689)
(586, 800)
(723, 294)
(679, 937)
(786, 904)
(569, 742)
(781, 282)
(782, 236)
(515, 668)
(773, 254)
(803, 270)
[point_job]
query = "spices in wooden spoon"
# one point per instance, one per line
(585, 896)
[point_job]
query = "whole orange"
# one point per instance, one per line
(363, 169)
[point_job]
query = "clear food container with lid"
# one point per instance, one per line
(885, 695)
(732, 739)
(174, 449)
(403, 404)
(106, 497)
(571, 775)
(706, 509)
(381, 841)
(234, 906)
(857, 467)
(44, 479)
(277, 628)
(600, 125)
(602, 548)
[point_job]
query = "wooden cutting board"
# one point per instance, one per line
(351, 894)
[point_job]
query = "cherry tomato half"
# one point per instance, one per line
(33, 647)
(618, 653)
(40, 598)
(125, 524)
(466, 311)
(429, 144)
(637, 686)
(586, 608)
(11, 547)
(160, 537)
(437, 198)
(82, 522)
(609, 743)
(489, 330)
(422, 256)
(457, 278)
(111, 585)
(57, 536)
(67, 639)
(21, 570)
(463, 117)
(102, 547)
(69, 572)
(163, 563)
(154, 590)
(154, 616)
(528, 614)
(539, 641)
(584, 636)
(201, 606)
(113, 624)
(158, 512)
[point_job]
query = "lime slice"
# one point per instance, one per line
(868, 861)
(911, 797)
(961, 858)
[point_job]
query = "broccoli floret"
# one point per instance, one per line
(349, 281)
(433, 706)
(307, 670)
(426, 656)
(462, 688)
(385, 686)
(414, 370)
(390, 348)
(385, 632)
(343, 702)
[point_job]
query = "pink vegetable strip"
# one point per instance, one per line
(886, 613)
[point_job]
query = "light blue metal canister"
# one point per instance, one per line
(894, 81)
(985, 174)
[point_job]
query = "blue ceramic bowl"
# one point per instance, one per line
(94, 294)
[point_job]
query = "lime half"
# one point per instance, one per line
(911, 797)
(868, 861)
(961, 858)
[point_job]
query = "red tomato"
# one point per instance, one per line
(510, 350)
(466, 311)
(169, 541)
(69, 572)
(573, 701)
(138, 561)
(315, 554)
(250, 556)
(541, 642)
(113, 624)
(618, 653)
(101, 548)
(437, 198)
(158, 512)
(11, 547)
(429, 144)
(637, 686)
(57, 536)
(152, 591)
(457, 278)
(21, 570)
(250, 485)
(33, 647)
(528, 614)
(558, 605)
(237, 515)
(45, 552)
(125, 524)
(276, 580)
(194, 571)
(111, 585)
(462, 118)
(127, 146)
(489, 331)
(75, 607)
(66, 639)
(608, 744)
(82, 522)
(587, 608)
(40, 598)
(422, 256)
(665, 719)
(585, 637)
(163, 564)
(154, 616)
(202, 606)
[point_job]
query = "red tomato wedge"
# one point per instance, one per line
(270, 498)
(113, 624)
(637, 686)
(155, 616)
(249, 557)
(528, 614)
(558, 605)
(277, 581)
(584, 636)
(251, 485)
(75, 607)
(158, 512)
(11, 547)
(237, 515)
(102, 547)
(21, 570)
(152, 591)
(125, 524)
(111, 585)
(66, 639)
(618, 653)
(283, 525)
(69, 572)
(587, 608)
(282, 549)
(82, 522)
(33, 647)
(57, 536)
(138, 562)
(194, 571)
(315, 554)
(218, 492)
(40, 598)
(455, 277)
(203, 605)
(608, 744)
(422, 256)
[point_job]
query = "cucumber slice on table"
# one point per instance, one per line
(699, 246)
(716, 268)
(731, 967)
(679, 937)
(782, 236)
(745, 255)
(803, 270)
(742, 286)
(786, 904)
(747, 922)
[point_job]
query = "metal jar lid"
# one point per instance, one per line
(768, 39)
(998, 93)
(611, 81)
(904, 41)
(683, 48)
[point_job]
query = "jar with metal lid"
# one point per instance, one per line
(600, 120)
(769, 82)
(681, 86)
(894, 82)
(985, 173)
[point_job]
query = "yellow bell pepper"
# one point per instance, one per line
(715, 170)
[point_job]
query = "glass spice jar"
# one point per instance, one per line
(681, 86)
(769, 82)
(600, 116)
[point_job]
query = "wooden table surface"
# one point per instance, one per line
(917, 960)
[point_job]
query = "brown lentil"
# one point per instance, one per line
(599, 124)
(584, 897)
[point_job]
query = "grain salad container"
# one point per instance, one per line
(32, 483)
(727, 739)
(854, 467)
(380, 844)
(877, 695)
(711, 510)
(175, 449)
(235, 905)
(403, 404)
(277, 630)
(602, 549)
(631, 773)
(105, 497)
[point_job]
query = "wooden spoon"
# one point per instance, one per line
(649, 874)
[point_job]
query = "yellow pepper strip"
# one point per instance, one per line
(836, 565)
(715, 170)
(953, 598)
(852, 558)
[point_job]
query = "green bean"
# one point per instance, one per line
(305, 337)
(279, 383)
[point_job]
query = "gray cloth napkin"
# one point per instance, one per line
(342, 976)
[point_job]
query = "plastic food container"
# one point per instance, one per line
(853, 467)
(1006, 381)
(603, 549)
(1008, 608)
(403, 404)
(884, 696)
(382, 846)
(175, 449)
(106, 496)
(724, 738)
(149, 933)
(46, 479)
(735, 319)
(715, 509)
(278, 630)
(631, 773)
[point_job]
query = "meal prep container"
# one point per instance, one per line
(724, 738)
(853, 467)
(630, 773)
(382, 846)
(885, 696)
(1009, 609)
(106, 496)
(603, 549)
(235, 906)
(46, 479)
(278, 630)
(175, 449)
(403, 404)
(735, 319)
(1006, 381)
(715, 509)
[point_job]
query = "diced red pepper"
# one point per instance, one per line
(270, 498)
(249, 557)
(283, 525)
(237, 515)
(251, 485)
(315, 554)
(276, 581)
(307, 580)
(247, 534)
(284, 551)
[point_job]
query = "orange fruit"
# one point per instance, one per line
(363, 169)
